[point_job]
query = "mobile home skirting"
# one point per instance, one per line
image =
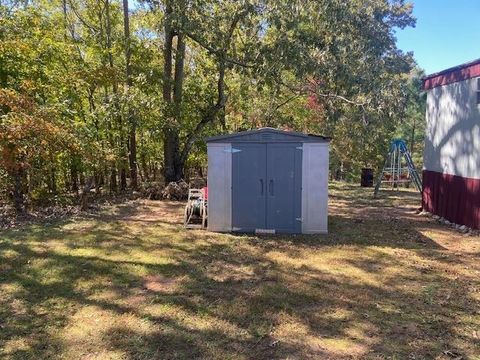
(452, 197)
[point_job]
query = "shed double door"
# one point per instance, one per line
(266, 187)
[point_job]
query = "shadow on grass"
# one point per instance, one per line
(370, 289)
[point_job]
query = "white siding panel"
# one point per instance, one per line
(452, 139)
(315, 188)
(219, 187)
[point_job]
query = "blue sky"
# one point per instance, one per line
(447, 33)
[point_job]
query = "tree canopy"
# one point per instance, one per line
(110, 94)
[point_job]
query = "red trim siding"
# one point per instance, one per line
(449, 76)
(452, 197)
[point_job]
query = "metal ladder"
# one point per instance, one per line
(393, 167)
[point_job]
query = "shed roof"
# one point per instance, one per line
(268, 134)
(451, 75)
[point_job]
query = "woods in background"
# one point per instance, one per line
(109, 95)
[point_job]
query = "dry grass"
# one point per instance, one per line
(131, 283)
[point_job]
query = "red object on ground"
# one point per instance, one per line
(452, 75)
(452, 197)
(205, 192)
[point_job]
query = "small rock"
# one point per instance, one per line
(274, 343)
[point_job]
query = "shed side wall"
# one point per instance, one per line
(315, 188)
(219, 187)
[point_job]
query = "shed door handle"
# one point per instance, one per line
(261, 187)
(271, 187)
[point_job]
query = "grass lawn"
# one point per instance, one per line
(131, 283)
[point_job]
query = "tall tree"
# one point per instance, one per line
(130, 116)
(342, 53)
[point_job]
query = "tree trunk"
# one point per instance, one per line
(53, 179)
(412, 143)
(209, 113)
(131, 120)
(143, 163)
(167, 56)
(171, 150)
(133, 158)
(74, 175)
(82, 179)
(84, 198)
(171, 138)
(17, 193)
(123, 176)
(65, 20)
(113, 180)
(174, 159)
(173, 162)
(153, 170)
(122, 152)
(179, 75)
(96, 178)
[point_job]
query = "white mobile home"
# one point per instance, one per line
(451, 173)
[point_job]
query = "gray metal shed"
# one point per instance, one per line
(268, 180)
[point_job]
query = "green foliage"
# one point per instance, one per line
(412, 126)
(319, 66)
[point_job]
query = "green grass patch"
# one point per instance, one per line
(131, 283)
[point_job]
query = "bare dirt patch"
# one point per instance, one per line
(160, 284)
